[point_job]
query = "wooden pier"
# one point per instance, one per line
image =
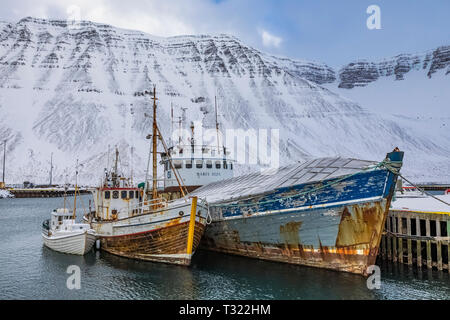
(417, 238)
(434, 187)
(43, 193)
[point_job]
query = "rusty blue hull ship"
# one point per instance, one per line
(327, 213)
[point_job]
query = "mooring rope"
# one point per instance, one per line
(423, 191)
(392, 166)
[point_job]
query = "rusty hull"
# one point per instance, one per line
(355, 247)
(167, 245)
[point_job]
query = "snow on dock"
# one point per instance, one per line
(422, 204)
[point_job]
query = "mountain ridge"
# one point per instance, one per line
(77, 90)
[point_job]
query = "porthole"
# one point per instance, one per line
(181, 213)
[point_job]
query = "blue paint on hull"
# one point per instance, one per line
(348, 216)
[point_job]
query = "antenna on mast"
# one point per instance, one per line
(51, 168)
(115, 182)
(217, 125)
(171, 122)
(4, 162)
(76, 188)
(154, 149)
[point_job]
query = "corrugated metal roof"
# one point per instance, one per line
(291, 175)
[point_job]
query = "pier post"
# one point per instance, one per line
(419, 244)
(408, 231)
(400, 239)
(394, 240)
(438, 245)
(429, 262)
(388, 234)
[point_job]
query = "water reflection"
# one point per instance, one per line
(28, 270)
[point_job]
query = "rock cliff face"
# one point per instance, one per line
(361, 73)
(75, 89)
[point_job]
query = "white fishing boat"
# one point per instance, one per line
(63, 234)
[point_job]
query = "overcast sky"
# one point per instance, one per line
(330, 31)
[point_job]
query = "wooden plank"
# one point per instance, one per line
(408, 231)
(400, 239)
(418, 244)
(448, 254)
(394, 241)
(389, 245)
(438, 245)
(419, 254)
(429, 261)
(428, 244)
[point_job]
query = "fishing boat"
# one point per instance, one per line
(197, 163)
(327, 212)
(144, 225)
(63, 234)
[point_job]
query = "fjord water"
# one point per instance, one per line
(28, 270)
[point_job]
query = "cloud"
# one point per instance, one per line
(270, 40)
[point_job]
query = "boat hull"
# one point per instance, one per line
(167, 244)
(334, 224)
(78, 243)
(342, 238)
(160, 236)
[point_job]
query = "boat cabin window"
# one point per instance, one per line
(178, 164)
(225, 166)
(217, 164)
(131, 196)
(199, 164)
(136, 194)
(188, 164)
(123, 194)
(115, 194)
(209, 164)
(107, 194)
(231, 166)
(60, 218)
(166, 165)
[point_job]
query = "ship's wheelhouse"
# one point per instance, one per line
(116, 203)
(196, 166)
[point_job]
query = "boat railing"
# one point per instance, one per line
(148, 205)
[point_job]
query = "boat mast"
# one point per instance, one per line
(171, 123)
(115, 184)
(154, 146)
(65, 193)
(217, 126)
(4, 161)
(131, 164)
(51, 168)
(76, 188)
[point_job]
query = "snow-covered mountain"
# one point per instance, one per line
(75, 89)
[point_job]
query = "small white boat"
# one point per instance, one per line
(63, 234)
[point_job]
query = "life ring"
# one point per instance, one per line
(447, 191)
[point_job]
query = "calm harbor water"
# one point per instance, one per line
(28, 270)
